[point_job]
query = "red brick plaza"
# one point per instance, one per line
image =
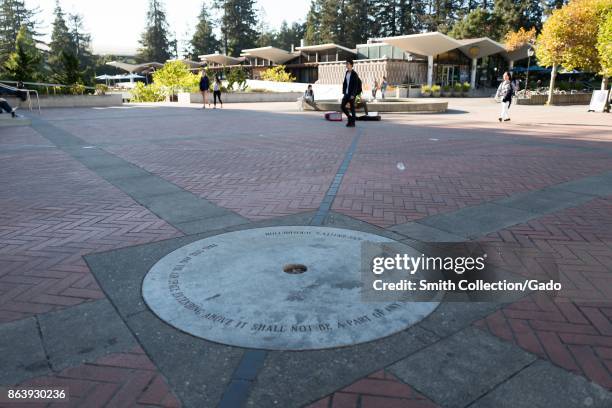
(539, 187)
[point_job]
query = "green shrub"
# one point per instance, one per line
(101, 89)
(77, 89)
(458, 87)
(277, 74)
(425, 89)
(175, 77)
(435, 88)
(236, 79)
(466, 87)
(446, 88)
(147, 93)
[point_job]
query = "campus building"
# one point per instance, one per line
(425, 58)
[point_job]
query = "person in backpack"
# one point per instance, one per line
(351, 87)
(504, 94)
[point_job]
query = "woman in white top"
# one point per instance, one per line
(504, 95)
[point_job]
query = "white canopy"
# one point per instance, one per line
(433, 43)
(138, 68)
(220, 59)
(324, 47)
(276, 55)
(480, 47)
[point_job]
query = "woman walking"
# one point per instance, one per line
(504, 94)
(383, 87)
(374, 89)
(204, 88)
(217, 92)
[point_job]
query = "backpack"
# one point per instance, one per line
(358, 89)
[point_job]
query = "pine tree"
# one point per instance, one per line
(410, 16)
(289, 35)
(81, 43)
(312, 34)
(23, 64)
(155, 45)
(329, 26)
(478, 23)
(61, 41)
(358, 25)
(13, 15)
(238, 22)
(203, 40)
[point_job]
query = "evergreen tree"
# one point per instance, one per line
(358, 26)
(329, 21)
(312, 32)
(81, 47)
(61, 41)
(478, 23)
(155, 45)
(238, 22)
(203, 40)
(410, 16)
(385, 14)
(23, 64)
(13, 15)
(289, 35)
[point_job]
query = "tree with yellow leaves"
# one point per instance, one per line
(604, 46)
(569, 38)
(516, 39)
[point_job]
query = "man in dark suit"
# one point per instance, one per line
(351, 87)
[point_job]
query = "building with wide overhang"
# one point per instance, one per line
(424, 58)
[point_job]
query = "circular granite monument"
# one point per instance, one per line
(277, 288)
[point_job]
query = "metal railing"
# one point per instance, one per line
(45, 85)
(27, 91)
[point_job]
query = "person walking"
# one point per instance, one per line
(374, 89)
(351, 87)
(204, 88)
(504, 94)
(383, 86)
(4, 106)
(217, 92)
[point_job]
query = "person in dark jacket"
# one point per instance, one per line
(351, 87)
(204, 88)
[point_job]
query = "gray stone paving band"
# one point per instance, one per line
(472, 222)
(465, 366)
(208, 289)
(543, 385)
(328, 200)
(22, 354)
(181, 209)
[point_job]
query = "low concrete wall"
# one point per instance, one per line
(242, 97)
(558, 99)
(388, 106)
(69, 101)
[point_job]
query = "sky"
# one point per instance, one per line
(116, 25)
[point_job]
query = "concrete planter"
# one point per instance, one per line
(242, 97)
(69, 101)
(582, 98)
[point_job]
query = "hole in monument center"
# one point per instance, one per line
(294, 269)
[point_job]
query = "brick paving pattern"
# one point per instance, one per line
(378, 390)
(54, 211)
(120, 380)
(573, 329)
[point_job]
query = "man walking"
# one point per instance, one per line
(4, 106)
(351, 87)
(204, 87)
